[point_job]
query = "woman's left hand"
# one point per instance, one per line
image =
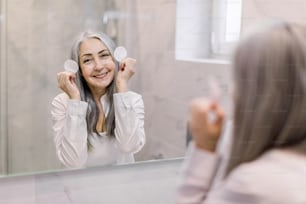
(205, 130)
(125, 72)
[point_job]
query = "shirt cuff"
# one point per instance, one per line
(76, 107)
(200, 161)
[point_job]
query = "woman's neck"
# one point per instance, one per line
(97, 94)
(100, 127)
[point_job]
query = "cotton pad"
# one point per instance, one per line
(120, 53)
(214, 95)
(71, 66)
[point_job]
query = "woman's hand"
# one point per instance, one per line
(126, 71)
(205, 130)
(66, 82)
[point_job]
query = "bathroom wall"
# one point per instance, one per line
(167, 84)
(257, 12)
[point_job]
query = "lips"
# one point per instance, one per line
(101, 76)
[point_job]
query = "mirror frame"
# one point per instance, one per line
(3, 95)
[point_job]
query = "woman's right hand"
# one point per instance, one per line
(66, 82)
(205, 132)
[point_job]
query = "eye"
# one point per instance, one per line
(104, 55)
(87, 61)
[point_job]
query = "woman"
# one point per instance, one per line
(267, 163)
(96, 120)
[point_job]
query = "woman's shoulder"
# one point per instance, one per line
(274, 162)
(275, 177)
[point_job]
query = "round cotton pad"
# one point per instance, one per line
(71, 66)
(120, 53)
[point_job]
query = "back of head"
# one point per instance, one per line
(270, 92)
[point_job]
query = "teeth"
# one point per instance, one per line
(102, 74)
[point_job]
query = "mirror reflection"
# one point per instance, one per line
(36, 40)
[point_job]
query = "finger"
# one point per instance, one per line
(72, 78)
(130, 62)
(58, 77)
(209, 111)
(122, 66)
(220, 115)
(60, 80)
(64, 79)
(192, 126)
(218, 111)
(201, 105)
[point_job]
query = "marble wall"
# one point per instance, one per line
(257, 12)
(168, 84)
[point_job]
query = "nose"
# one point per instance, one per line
(98, 64)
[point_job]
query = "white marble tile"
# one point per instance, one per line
(17, 190)
(257, 12)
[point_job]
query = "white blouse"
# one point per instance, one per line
(70, 131)
(276, 177)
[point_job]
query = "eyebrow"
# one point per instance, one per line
(89, 54)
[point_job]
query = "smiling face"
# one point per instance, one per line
(97, 65)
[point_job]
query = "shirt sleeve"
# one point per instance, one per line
(69, 130)
(196, 188)
(129, 119)
(198, 173)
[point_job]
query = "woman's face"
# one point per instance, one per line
(96, 63)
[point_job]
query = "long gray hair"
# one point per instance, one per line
(269, 70)
(86, 95)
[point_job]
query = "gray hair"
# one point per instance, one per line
(92, 114)
(269, 70)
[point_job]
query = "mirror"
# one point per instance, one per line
(35, 42)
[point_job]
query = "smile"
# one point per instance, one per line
(102, 75)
